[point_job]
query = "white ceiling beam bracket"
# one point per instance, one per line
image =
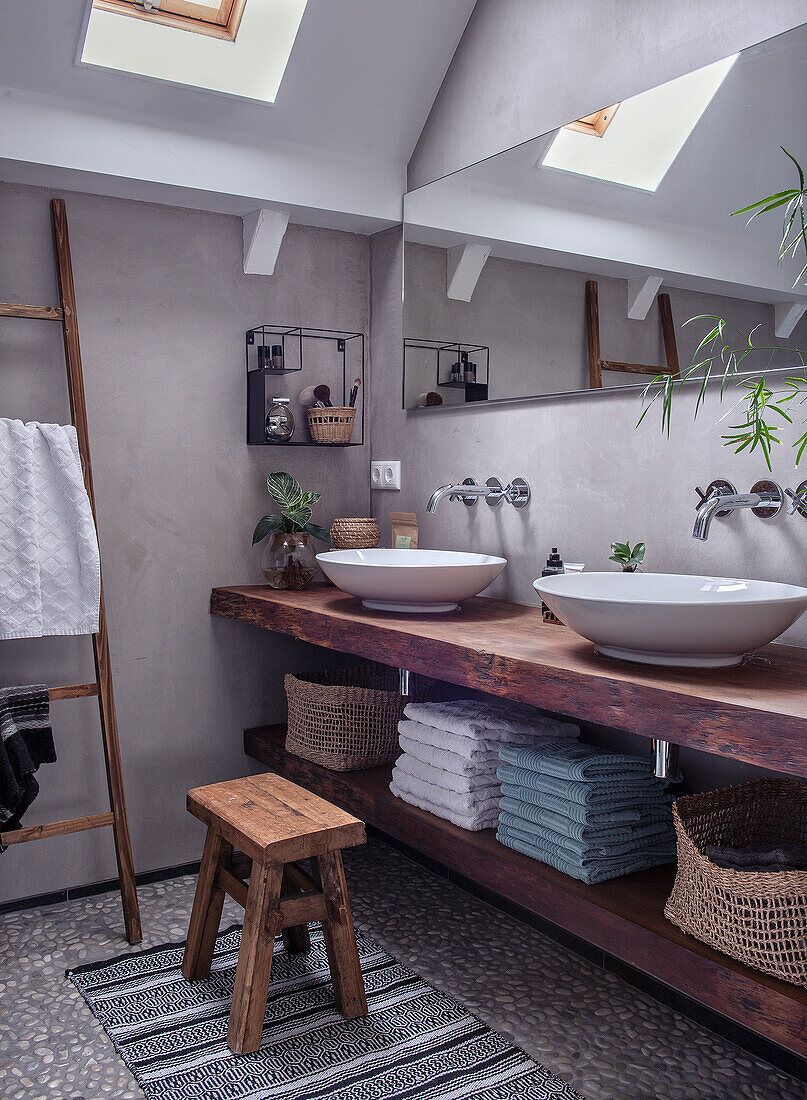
(464, 263)
(786, 315)
(263, 235)
(642, 293)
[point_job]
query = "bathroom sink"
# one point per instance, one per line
(673, 619)
(410, 580)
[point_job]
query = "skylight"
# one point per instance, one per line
(248, 60)
(219, 18)
(644, 136)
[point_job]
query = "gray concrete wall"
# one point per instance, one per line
(524, 67)
(595, 479)
(163, 305)
(532, 317)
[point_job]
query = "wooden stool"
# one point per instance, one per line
(273, 823)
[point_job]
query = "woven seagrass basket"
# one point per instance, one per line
(758, 917)
(355, 533)
(345, 719)
(333, 425)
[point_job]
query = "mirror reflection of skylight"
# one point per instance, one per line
(251, 67)
(645, 135)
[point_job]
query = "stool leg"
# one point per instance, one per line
(207, 905)
(340, 938)
(262, 921)
(296, 939)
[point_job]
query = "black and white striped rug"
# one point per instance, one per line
(416, 1042)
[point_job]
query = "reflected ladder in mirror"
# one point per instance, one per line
(596, 364)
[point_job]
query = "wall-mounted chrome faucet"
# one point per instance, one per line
(798, 500)
(516, 493)
(721, 499)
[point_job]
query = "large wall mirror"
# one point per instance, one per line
(571, 262)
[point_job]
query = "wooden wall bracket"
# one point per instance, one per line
(596, 364)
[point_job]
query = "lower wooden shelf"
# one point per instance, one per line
(624, 917)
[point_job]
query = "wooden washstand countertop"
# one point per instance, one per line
(756, 712)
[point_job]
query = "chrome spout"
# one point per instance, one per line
(470, 490)
(719, 502)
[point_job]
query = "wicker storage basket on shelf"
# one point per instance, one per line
(345, 719)
(333, 425)
(758, 917)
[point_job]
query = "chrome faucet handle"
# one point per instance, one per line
(772, 499)
(497, 492)
(718, 487)
(518, 492)
(798, 500)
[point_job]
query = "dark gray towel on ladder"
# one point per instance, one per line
(26, 741)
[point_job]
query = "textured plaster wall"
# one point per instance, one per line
(594, 478)
(524, 67)
(163, 305)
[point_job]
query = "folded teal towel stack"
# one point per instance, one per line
(590, 813)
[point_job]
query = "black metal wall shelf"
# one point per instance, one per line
(448, 352)
(327, 356)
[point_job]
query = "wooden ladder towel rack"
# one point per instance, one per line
(596, 364)
(102, 687)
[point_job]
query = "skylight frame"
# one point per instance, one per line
(241, 70)
(183, 15)
(594, 125)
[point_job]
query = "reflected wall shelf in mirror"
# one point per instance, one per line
(284, 360)
(456, 366)
(505, 247)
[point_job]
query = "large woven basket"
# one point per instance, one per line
(333, 425)
(758, 917)
(345, 719)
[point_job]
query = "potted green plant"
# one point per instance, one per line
(288, 560)
(630, 558)
(728, 353)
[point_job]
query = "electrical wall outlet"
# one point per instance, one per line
(385, 475)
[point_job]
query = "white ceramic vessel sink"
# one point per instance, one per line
(672, 619)
(410, 580)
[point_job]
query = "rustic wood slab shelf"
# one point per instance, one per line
(756, 713)
(623, 917)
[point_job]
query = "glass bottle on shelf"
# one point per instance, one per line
(279, 421)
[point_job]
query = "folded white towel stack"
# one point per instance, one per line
(451, 752)
(50, 571)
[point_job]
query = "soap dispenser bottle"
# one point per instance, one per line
(554, 564)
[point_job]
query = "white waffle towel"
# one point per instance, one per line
(50, 569)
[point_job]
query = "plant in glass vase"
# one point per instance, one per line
(288, 560)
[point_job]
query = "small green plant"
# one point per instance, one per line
(727, 352)
(630, 558)
(295, 506)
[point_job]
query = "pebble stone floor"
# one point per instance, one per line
(582, 1023)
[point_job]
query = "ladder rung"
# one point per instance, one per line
(57, 828)
(34, 313)
(74, 691)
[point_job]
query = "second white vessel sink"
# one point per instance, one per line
(673, 619)
(410, 580)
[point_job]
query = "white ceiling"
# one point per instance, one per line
(357, 90)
